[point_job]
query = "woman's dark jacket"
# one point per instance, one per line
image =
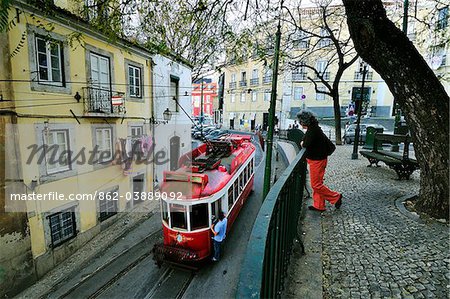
(315, 142)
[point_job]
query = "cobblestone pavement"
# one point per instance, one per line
(370, 248)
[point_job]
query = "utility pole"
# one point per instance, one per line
(273, 99)
(201, 109)
(398, 112)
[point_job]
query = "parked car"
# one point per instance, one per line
(349, 134)
(205, 131)
(216, 133)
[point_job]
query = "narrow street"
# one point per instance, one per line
(127, 270)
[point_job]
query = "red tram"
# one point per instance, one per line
(216, 176)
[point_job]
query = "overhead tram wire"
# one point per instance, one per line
(55, 104)
(85, 83)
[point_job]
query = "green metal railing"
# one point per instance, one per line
(274, 231)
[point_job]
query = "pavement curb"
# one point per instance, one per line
(414, 216)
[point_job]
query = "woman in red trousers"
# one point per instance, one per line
(315, 143)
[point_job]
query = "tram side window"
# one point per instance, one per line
(215, 207)
(178, 216)
(164, 211)
(245, 172)
(241, 181)
(251, 166)
(236, 189)
(199, 216)
(230, 197)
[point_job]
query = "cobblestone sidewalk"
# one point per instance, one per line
(369, 248)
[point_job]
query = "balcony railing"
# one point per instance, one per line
(254, 81)
(243, 83)
(269, 247)
(232, 85)
(359, 76)
(299, 76)
(267, 79)
(99, 100)
(326, 76)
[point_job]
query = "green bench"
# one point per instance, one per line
(403, 165)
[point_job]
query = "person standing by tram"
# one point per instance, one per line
(317, 147)
(219, 231)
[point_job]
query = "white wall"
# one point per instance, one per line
(179, 125)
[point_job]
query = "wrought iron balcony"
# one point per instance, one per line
(359, 76)
(243, 83)
(254, 81)
(104, 101)
(299, 76)
(232, 85)
(267, 79)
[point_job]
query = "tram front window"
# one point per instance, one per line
(178, 216)
(199, 216)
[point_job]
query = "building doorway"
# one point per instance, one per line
(174, 152)
(138, 187)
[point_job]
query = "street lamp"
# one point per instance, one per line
(363, 70)
(167, 116)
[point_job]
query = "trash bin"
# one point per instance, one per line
(370, 137)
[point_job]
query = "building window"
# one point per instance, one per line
(233, 98)
(254, 96)
(104, 143)
(300, 74)
(233, 77)
(243, 97)
(108, 205)
(438, 57)
(320, 96)
(137, 131)
(62, 226)
(267, 95)
(298, 92)
(57, 151)
(49, 61)
(174, 93)
(442, 21)
(134, 81)
(324, 40)
(301, 40)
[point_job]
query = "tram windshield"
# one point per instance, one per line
(178, 216)
(199, 216)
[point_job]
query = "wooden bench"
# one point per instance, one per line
(403, 165)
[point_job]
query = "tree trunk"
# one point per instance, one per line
(337, 117)
(418, 91)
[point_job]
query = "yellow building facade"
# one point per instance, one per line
(295, 91)
(76, 110)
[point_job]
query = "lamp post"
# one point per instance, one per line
(167, 116)
(358, 120)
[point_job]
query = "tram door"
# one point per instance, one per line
(215, 208)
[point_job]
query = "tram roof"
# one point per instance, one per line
(217, 178)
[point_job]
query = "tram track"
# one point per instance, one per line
(103, 278)
(173, 283)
